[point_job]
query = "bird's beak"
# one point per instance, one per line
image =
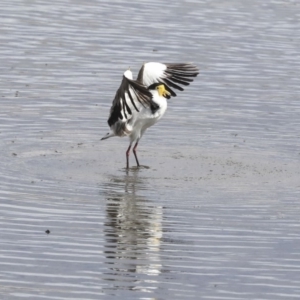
(166, 93)
(162, 91)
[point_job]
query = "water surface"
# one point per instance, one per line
(216, 214)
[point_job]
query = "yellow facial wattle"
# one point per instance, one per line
(162, 91)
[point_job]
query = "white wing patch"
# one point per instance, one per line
(153, 71)
(128, 74)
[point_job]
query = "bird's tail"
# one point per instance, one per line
(108, 135)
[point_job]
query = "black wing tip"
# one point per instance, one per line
(183, 67)
(114, 117)
(178, 74)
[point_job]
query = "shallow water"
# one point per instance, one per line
(216, 214)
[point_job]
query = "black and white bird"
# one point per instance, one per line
(140, 103)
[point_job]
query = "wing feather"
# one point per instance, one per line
(132, 101)
(172, 75)
(128, 98)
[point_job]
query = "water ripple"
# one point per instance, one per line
(215, 214)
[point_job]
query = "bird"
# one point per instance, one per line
(140, 103)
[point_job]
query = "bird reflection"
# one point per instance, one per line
(133, 232)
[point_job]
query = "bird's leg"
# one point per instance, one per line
(127, 156)
(134, 152)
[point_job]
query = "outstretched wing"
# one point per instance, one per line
(130, 97)
(173, 75)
